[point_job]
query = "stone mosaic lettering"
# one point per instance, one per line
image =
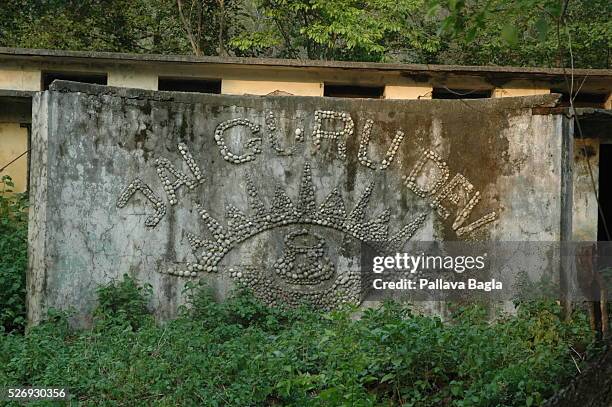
(273, 193)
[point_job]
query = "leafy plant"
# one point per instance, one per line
(473, 32)
(346, 30)
(13, 256)
(526, 32)
(240, 352)
(123, 301)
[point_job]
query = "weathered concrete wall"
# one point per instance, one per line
(520, 88)
(20, 78)
(170, 187)
(264, 87)
(408, 92)
(585, 212)
(14, 143)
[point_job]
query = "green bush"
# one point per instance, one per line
(122, 301)
(13, 256)
(240, 353)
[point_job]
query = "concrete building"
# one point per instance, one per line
(24, 71)
(526, 168)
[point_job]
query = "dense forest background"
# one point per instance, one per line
(472, 32)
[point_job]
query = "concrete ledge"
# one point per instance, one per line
(26, 94)
(516, 72)
(544, 101)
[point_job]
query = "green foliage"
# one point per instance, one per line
(475, 32)
(526, 32)
(13, 256)
(150, 26)
(123, 301)
(480, 32)
(346, 29)
(207, 24)
(240, 352)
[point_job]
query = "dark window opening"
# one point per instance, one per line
(446, 93)
(350, 91)
(583, 99)
(190, 85)
(604, 191)
(49, 77)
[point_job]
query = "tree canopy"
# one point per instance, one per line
(475, 32)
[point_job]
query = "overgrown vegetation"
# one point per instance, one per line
(240, 353)
(479, 32)
(13, 256)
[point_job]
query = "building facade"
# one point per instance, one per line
(23, 72)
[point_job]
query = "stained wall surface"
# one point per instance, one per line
(274, 192)
(14, 139)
